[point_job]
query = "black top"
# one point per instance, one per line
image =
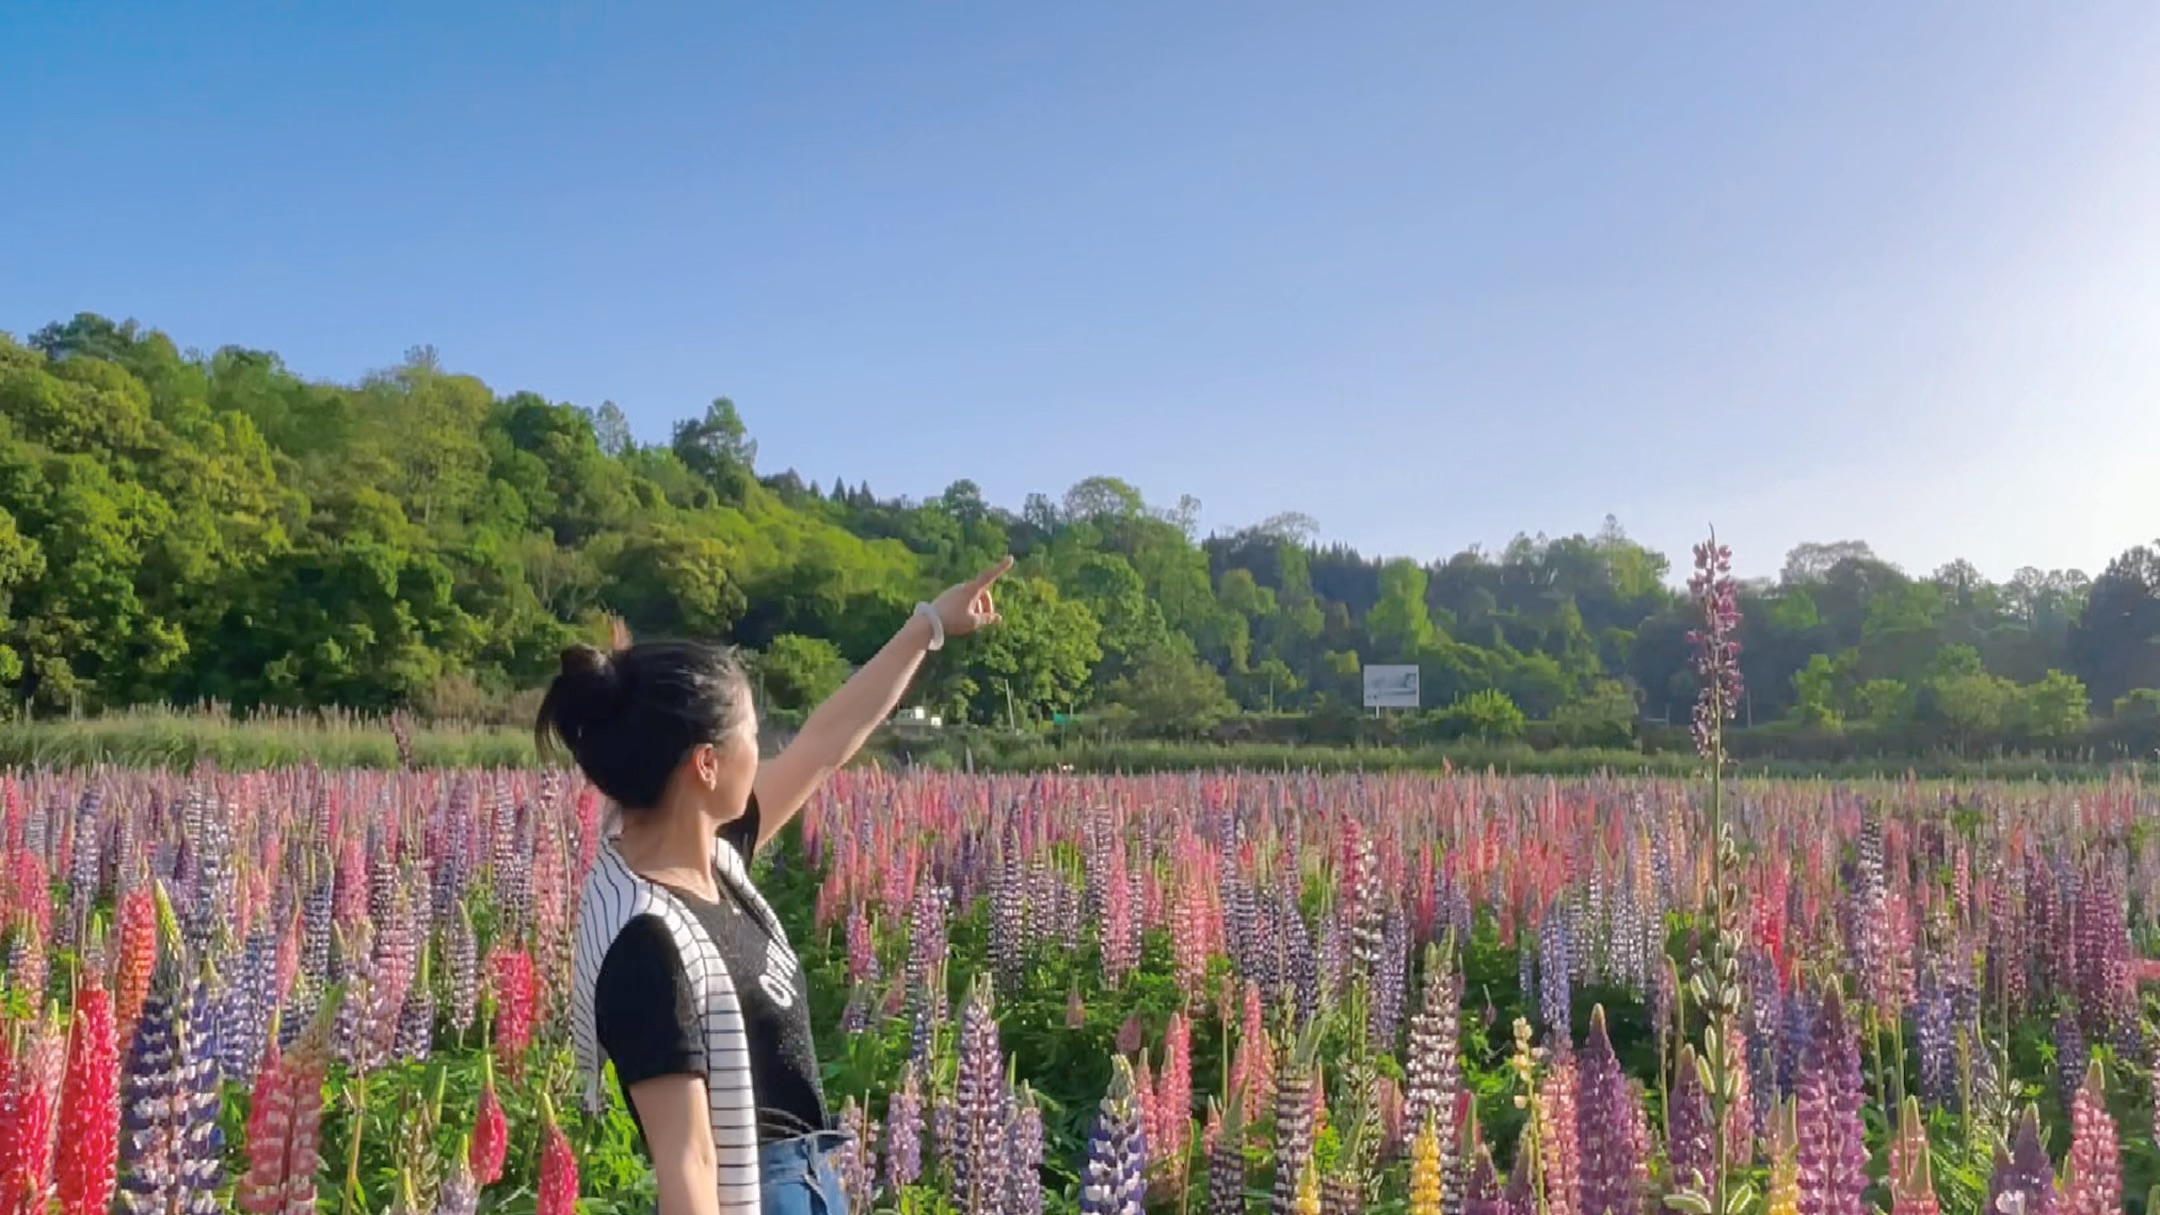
(650, 1024)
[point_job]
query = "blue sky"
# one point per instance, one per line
(1433, 273)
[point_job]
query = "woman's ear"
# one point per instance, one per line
(706, 761)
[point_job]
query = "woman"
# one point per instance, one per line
(683, 977)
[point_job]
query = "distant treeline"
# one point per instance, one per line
(180, 527)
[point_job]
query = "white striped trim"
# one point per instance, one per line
(612, 897)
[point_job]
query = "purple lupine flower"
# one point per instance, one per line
(170, 1146)
(210, 894)
(1556, 959)
(2107, 1000)
(243, 1021)
(2071, 1055)
(1024, 1134)
(316, 912)
(1113, 1180)
(461, 968)
(1690, 1141)
(945, 1127)
(1932, 1014)
(1610, 1127)
(1832, 1153)
(2024, 1179)
(415, 1029)
(903, 1132)
(1716, 644)
(1391, 981)
(1796, 1028)
(1008, 916)
(84, 868)
(1481, 1191)
(858, 1159)
(928, 949)
(979, 1141)
(1765, 1004)
(458, 1195)
(1240, 918)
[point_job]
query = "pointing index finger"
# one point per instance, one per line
(994, 573)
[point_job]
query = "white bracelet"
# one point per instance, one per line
(937, 626)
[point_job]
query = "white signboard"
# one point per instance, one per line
(1391, 688)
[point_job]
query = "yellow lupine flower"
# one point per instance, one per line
(1308, 1191)
(1783, 1194)
(1425, 1170)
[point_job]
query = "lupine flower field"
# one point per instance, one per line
(305, 989)
(283, 991)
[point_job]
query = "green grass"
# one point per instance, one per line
(186, 739)
(191, 738)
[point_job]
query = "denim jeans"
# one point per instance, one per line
(801, 1176)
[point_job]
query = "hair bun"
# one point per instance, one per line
(584, 662)
(589, 692)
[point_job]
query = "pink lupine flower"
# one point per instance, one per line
(2092, 1178)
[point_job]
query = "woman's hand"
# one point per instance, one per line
(968, 606)
(839, 726)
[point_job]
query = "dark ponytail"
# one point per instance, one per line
(629, 717)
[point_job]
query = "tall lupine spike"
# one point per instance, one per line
(1833, 1153)
(1558, 1143)
(980, 1148)
(1113, 1181)
(1173, 1103)
(1610, 1127)
(512, 985)
(903, 1132)
(169, 1158)
(29, 1105)
(90, 1105)
(461, 968)
(285, 1124)
(1024, 1194)
(1690, 1148)
(134, 961)
(858, 1156)
(2024, 1179)
(2092, 1177)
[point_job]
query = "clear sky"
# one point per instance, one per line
(1432, 272)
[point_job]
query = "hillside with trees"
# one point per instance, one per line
(178, 527)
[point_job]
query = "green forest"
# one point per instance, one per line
(180, 528)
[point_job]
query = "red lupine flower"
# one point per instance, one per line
(515, 995)
(558, 1168)
(490, 1134)
(90, 1106)
(29, 1100)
